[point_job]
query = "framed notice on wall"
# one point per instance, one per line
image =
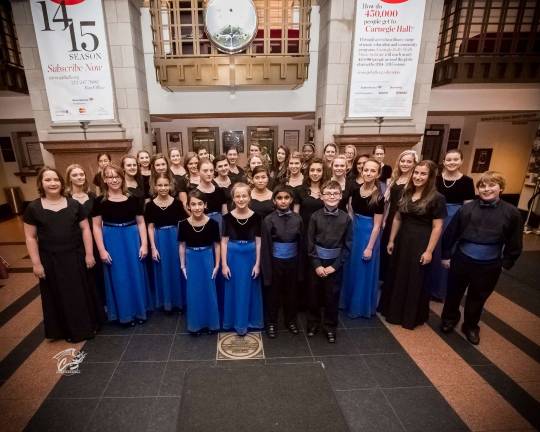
(481, 161)
(386, 47)
(74, 58)
(291, 139)
(174, 140)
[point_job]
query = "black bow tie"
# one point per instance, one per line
(334, 212)
(491, 204)
(284, 213)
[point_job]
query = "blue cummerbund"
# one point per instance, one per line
(480, 252)
(327, 254)
(284, 250)
(123, 224)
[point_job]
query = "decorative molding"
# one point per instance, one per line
(88, 146)
(370, 140)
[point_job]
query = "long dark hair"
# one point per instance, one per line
(324, 178)
(280, 172)
(428, 193)
(39, 181)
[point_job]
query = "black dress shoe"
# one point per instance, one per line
(312, 330)
(292, 328)
(331, 337)
(472, 335)
(447, 326)
(271, 331)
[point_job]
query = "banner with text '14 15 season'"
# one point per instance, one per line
(74, 58)
(386, 47)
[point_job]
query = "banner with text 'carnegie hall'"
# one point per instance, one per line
(386, 47)
(74, 58)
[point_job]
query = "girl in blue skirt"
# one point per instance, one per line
(199, 260)
(240, 255)
(120, 234)
(458, 189)
(361, 282)
(162, 215)
(216, 198)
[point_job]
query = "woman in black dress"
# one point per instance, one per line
(416, 229)
(143, 159)
(223, 178)
(215, 196)
(350, 156)
(59, 243)
(133, 179)
(191, 180)
(160, 165)
(330, 151)
(103, 159)
(400, 176)
(280, 166)
(261, 197)
(386, 170)
(235, 172)
(308, 153)
(354, 178)
(77, 188)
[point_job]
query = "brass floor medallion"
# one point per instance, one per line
(233, 347)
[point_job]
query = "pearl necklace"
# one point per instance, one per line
(200, 228)
(238, 220)
(448, 186)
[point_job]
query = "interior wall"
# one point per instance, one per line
(230, 100)
(231, 124)
(8, 169)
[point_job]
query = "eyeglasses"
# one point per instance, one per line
(332, 194)
(113, 177)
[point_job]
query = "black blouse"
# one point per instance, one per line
(215, 199)
(241, 229)
(118, 212)
(262, 208)
(435, 209)
(386, 173)
(56, 230)
(308, 204)
(206, 235)
(458, 191)
(363, 206)
(164, 217)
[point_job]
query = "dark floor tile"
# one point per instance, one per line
(289, 360)
(320, 347)
(122, 414)
(348, 372)
(172, 382)
(158, 323)
(286, 345)
(115, 328)
(525, 296)
(424, 409)
(148, 348)
(134, 379)
(368, 410)
(347, 322)
(187, 347)
(240, 363)
(181, 324)
(105, 348)
(164, 416)
(374, 341)
(90, 382)
(395, 370)
(524, 403)
(62, 415)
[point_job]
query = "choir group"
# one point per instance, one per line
(231, 246)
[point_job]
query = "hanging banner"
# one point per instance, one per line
(386, 47)
(75, 59)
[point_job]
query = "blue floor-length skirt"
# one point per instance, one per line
(201, 299)
(126, 281)
(361, 282)
(439, 275)
(166, 275)
(243, 296)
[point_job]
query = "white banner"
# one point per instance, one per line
(386, 46)
(74, 58)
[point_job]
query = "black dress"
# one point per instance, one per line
(71, 307)
(396, 190)
(405, 295)
(262, 208)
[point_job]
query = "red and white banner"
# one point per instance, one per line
(386, 46)
(75, 59)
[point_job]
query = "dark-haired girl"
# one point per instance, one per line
(457, 189)
(379, 153)
(143, 160)
(235, 172)
(295, 178)
(308, 153)
(191, 180)
(416, 229)
(279, 170)
(199, 260)
(361, 276)
(216, 199)
(330, 151)
(261, 197)
(162, 215)
(120, 233)
(103, 159)
(223, 178)
(132, 177)
(59, 244)
(240, 255)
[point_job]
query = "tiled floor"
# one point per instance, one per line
(384, 378)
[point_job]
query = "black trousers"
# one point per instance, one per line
(324, 294)
(478, 279)
(283, 291)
